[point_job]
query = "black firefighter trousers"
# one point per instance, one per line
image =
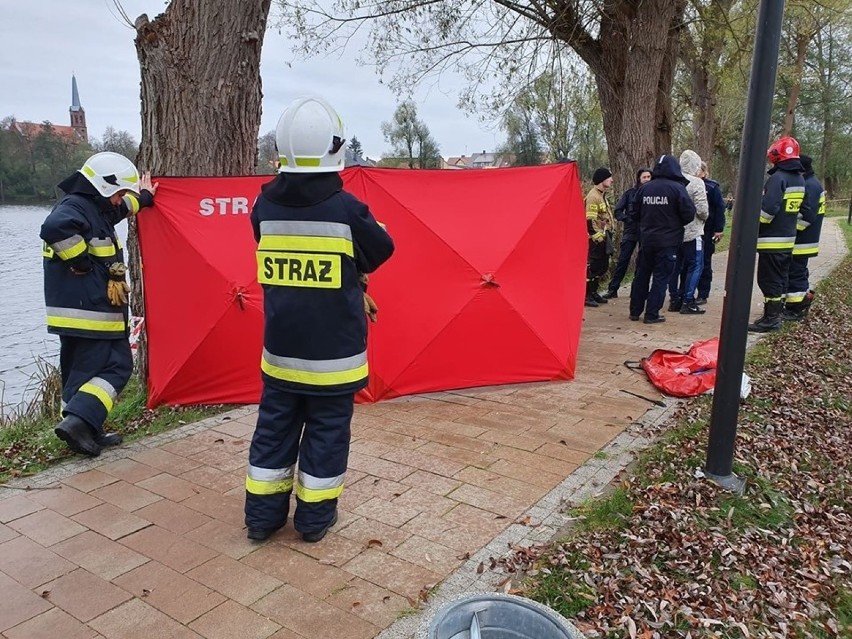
(313, 429)
(94, 372)
(772, 272)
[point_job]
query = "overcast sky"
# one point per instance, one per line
(42, 42)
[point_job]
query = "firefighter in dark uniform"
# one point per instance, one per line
(783, 200)
(314, 242)
(86, 293)
(808, 228)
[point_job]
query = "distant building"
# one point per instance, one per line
(76, 133)
(482, 160)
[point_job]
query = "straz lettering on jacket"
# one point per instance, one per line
(303, 254)
(655, 199)
(793, 198)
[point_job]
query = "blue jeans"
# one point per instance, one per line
(645, 295)
(625, 252)
(690, 263)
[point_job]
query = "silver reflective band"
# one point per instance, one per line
(794, 189)
(270, 474)
(808, 246)
(63, 245)
(100, 242)
(316, 229)
(75, 313)
(318, 365)
(766, 216)
(317, 483)
(776, 240)
(105, 386)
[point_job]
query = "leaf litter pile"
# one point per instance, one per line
(667, 554)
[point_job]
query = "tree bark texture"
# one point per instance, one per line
(801, 53)
(201, 99)
(632, 60)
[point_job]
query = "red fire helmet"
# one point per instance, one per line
(786, 148)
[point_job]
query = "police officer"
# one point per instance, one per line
(599, 224)
(808, 229)
(714, 228)
(663, 209)
(86, 293)
(314, 241)
(629, 235)
(783, 200)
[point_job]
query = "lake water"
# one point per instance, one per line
(23, 337)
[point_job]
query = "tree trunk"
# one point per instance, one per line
(633, 66)
(801, 52)
(201, 99)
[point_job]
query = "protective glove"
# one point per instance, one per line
(117, 288)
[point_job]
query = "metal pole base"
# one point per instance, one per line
(731, 483)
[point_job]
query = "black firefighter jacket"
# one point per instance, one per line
(811, 214)
(314, 241)
(783, 201)
(79, 233)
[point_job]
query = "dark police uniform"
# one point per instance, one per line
(715, 224)
(313, 242)
(94, 357)
(662, 208)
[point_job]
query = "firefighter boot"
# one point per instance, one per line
(314, 537)
(771, 320)
(590, 300)
(794, 312)
(78, 435)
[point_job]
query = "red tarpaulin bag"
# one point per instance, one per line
(684, 375)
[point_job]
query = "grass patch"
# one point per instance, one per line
(29, 444)
(610, 511)
(560, 590)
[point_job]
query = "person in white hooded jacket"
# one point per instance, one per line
(690, 257)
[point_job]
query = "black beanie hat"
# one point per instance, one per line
(600, 175)
(807, 162)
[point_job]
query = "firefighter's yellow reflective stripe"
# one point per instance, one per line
(300, 161)
(85, 320)
(314, 489)
(102, 247)
(798, 296)
(269, 481)
(809, 249)
(47, 251)
(101, 389)
(131, 201)
(307, 270)
(69, 248)
(775, 242)
(821, 210)
(305, 243)
(328, 372)
(773, 299)
(766, 218)
(88, 170)
(802, 223)
(292, 235)
(793, 198)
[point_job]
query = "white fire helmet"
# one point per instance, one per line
(110, 173)
(309, 137)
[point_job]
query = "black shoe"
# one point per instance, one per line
(675, 306)
(78, 435)
(771, 319)
(793, 316)
(701, 301)
(262, 534)
(635, 318)
(314, 537)
(610, 295)
(591, 303)
(109, 439)
(600, 299)
(692, 309)
(654, 320)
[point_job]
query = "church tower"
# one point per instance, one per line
(78, 115)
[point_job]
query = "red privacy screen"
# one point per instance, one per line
(486, 285)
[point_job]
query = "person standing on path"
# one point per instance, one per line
(86, 293)
(314, 242)
(662, 208)
(808, 230)
(629, 235)
(714, 229)
(599, 224)
(783, 202)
